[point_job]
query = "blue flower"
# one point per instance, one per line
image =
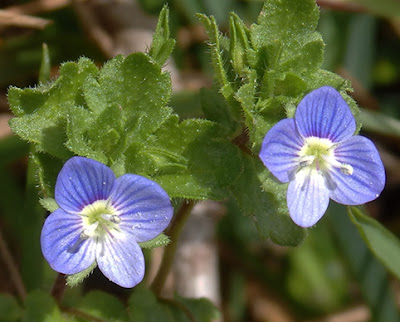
(102, 218)
(318, 155)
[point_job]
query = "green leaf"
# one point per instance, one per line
(45, 66)
(201, 309)
(239, 44)
(9, 308)
(40, 306)
(221, 74)
(217, 110)
(93, 113)
(282, 21)
(383, 244)
(103, 306)
(139, 88)
(75, 279)
(267, 207)
(49, 204)
(317, 277)
(162, 45)
(159, 241)
(144, 307)
(42, 112)
(370, 274)
(380, 123)
(191, 159)
(47, 172)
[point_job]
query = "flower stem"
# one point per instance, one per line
(31, 255)
(58, 290)
(173, 231)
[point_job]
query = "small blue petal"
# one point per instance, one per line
(307, 197)
(81, 182)
(120, 259)
(324, 113)
(368, 178)
(144, 207)
(280, 149)
(62, 246)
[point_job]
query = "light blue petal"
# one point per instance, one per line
(81, 182)
(120, 259)
(368, 178)
(144, 207)
(324, 113)
(61, 245)
(280, 149)
(307, 197)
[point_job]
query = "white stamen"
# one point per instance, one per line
(89, 231)
(347, 169)
(306, 160)
(113, 218)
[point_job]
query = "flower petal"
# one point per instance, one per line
(120, 258)
(143, 206)
(324, 113)
(307, 197)
(62, 246)
(81, 182)
(280, 148)
(368, 178)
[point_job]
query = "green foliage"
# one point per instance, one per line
(162, 45)
(119, 116)
(9, 308)
(190, 159)
(383, 244)
(40, 306)
(159, 241)
(369, 273)
(272, 65)
(267, 206)
(76, 279)
(144, 306)
(49, 204)
(262, 73)
(317, 278)
(45, 66)
(103, 306)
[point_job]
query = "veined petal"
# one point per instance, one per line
(81, 182)
(324, 113)
(280, 148)
(62, 246)
(120, 258)
(307, 197)
(368, 176)
(143, 206)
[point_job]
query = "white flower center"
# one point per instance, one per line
(319, 154)
(99, 218)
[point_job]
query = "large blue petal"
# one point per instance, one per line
(144, 207)
(307, 197)
(62, 246)
(280, 149)
(120, 258)
(324, 113)
(368, 178)
(81, 182)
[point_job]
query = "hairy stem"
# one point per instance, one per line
(58, 290)
(173, 232)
